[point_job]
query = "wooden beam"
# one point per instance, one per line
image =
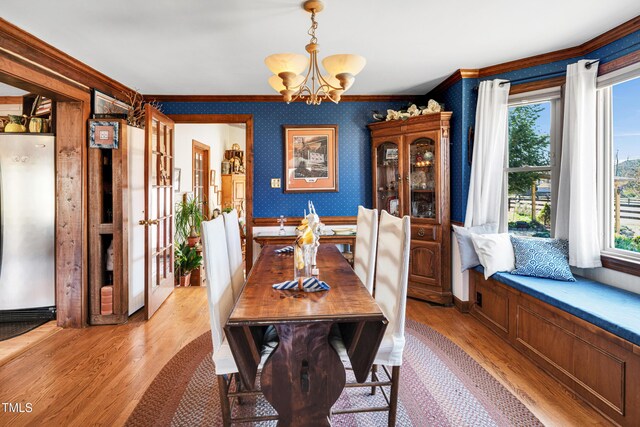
(27, 46)
(71, 230)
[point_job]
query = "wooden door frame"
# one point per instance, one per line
(197, 145)
(73, 106)
(247, 120)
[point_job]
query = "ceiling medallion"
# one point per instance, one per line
(313, 87)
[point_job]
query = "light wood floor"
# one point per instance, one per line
(11, 348)
(96, 375)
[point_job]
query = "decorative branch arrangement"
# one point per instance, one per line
(136, 113)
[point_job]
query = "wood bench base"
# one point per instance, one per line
(598, 366)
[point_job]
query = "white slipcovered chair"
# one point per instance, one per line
(221, 300)
(392, 276)
(364, 261)
(234, 248)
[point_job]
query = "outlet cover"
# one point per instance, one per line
(275, 182)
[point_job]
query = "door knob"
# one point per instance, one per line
(148, 222)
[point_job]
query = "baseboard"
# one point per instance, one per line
(28, 314)
(462, 306)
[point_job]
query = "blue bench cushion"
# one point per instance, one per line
(612, 309)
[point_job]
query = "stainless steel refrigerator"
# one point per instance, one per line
(27, 221)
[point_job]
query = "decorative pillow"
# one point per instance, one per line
(538, 257)
(495, 252)
(468, 255)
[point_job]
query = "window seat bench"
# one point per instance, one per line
(585, 334)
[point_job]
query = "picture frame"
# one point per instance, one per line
(177, 175)
(212, 176)
(106, 106)
(310, 158)
(104, 134)
(391, 154)
(219, 197)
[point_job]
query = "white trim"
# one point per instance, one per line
(605, 178)
(554, 97)
(627, 73)
(535, 96)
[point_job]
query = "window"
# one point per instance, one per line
(619, 121)
(531, 167)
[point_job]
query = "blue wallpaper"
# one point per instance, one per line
(461, 98)
(354, 151)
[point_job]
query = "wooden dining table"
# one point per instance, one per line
(304, 376)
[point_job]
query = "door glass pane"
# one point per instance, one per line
(387, 174)
(422, 178)
(154, 159)
(161, 147)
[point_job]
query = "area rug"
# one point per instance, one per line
(440, 386)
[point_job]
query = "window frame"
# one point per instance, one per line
(612, 257)
(552, 95)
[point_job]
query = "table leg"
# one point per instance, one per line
(304, 376)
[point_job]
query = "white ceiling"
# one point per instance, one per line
(217, 47)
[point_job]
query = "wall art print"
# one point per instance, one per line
(311, 158)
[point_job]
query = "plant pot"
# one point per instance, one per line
(193, 240)
(185, 280)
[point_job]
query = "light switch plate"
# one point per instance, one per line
(275, 182)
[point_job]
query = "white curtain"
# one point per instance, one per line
(484, 204)
(577, 210)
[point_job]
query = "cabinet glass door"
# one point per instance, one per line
(388, 178)
(422, 178)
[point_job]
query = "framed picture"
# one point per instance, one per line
(177, 172)
(391, 154)
(212, 176)
(104, 133)
(219, 197)
(107, 106)
(310, 158)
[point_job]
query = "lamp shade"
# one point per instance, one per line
(332, 80)
(344, 63)
(276, 83)
(286, 62)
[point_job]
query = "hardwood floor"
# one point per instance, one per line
(96, 375)
(545, 397)
(11, 348)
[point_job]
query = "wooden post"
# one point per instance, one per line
(617, 210)
(533, 201)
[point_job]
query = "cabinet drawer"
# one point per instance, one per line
(428, 233)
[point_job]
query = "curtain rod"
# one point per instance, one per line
(562, 73)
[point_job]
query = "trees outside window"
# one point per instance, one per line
(529, 171)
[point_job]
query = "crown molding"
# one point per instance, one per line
(585, 48)
(273, 98)
(23, 45)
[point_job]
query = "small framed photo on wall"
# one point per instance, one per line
(104, 134)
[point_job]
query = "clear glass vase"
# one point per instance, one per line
(303, 257)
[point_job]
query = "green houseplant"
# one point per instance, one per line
(189, 217)
(187, 259)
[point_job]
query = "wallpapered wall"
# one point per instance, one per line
(462, 97)
(354, 151)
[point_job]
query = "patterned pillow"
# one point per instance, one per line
(536, 257)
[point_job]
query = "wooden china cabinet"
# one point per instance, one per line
(410, 163)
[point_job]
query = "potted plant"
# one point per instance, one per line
(189, 217)
(187, 259)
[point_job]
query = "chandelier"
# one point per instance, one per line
(313, 87)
